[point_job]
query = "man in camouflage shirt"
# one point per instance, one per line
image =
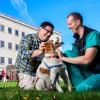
(30, 54)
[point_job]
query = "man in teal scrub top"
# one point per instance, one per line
(83, 61)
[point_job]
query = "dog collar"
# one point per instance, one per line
(51, 55)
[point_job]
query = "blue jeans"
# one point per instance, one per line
(81, 78)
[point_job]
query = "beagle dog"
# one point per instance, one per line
(48, 72)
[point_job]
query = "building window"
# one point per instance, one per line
(9, 60)
(9, 45)
(16, 47)
(2, 28)
(2, 44)
(9, 30)
(23, 34)
(16, 32)
(2, 60)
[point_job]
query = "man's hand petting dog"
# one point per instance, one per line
(42, 47)
(58, 51)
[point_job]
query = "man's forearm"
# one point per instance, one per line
(76, 60)
(87, 58)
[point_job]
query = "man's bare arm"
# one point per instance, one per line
(85, 59)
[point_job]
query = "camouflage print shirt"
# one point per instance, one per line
(24, 62)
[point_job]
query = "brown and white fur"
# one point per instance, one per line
(47, 72)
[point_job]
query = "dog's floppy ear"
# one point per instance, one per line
(58, 44)
(49, 46)
(49, 42)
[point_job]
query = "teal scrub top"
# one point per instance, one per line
(92, 39)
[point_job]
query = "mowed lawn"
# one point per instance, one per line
(10, 91)
(9, 84)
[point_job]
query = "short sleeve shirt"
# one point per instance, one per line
(93, 39)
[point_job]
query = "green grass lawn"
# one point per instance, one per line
(9, 91)
(9, 84)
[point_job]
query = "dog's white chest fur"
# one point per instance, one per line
(49, 65)
(47, 72)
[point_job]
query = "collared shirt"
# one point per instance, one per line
(24, 61)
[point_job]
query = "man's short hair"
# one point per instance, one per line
(44, 24)
(76, 15)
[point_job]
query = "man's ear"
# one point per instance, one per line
(78, 22)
